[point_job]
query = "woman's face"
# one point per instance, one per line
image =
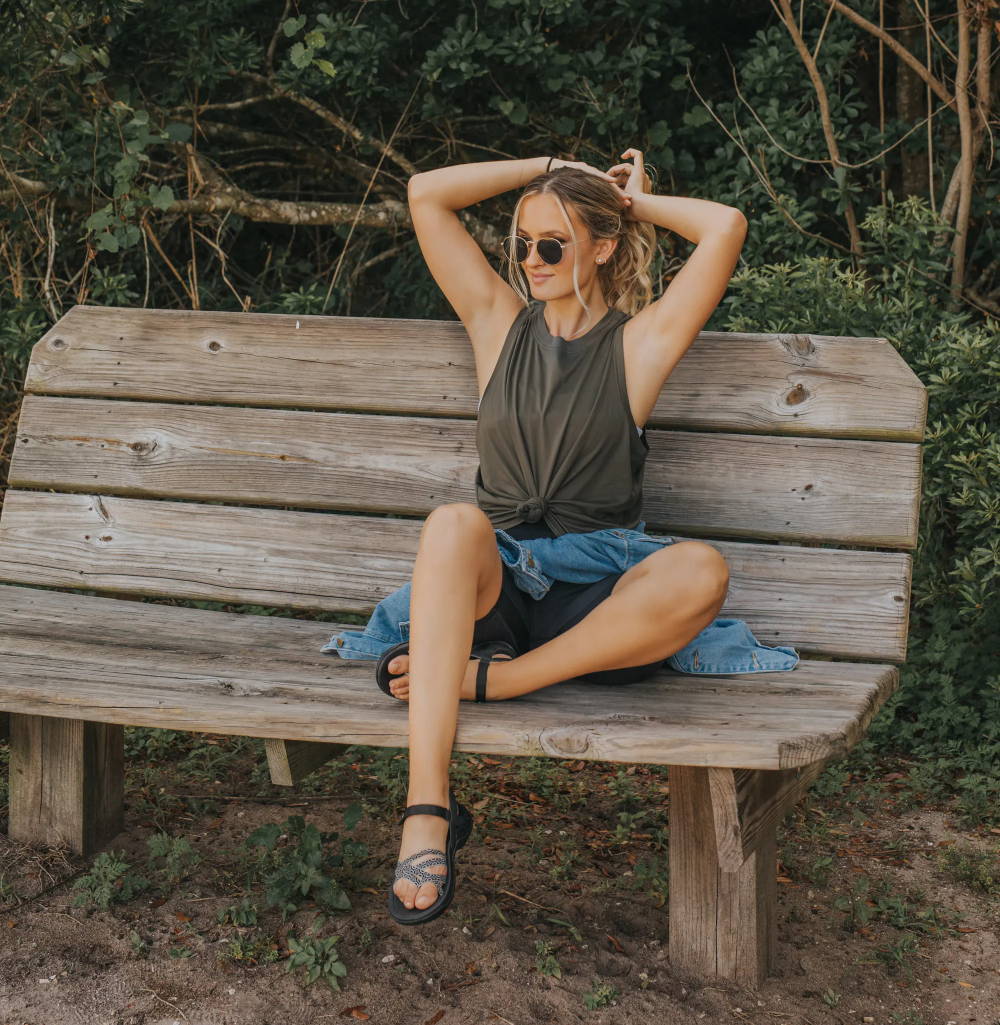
(542, 217)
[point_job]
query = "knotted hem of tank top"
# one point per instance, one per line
(533, 509)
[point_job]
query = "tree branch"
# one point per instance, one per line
(786, 15)
(280, 92)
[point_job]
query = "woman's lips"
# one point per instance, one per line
(537, 278)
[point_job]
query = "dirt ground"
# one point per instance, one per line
(540, 866)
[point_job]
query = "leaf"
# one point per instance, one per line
(178, 131)
(326, 67)
(292, 25)
(301, 56)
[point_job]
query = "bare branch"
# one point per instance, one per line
(785, 13)
(280, 92)
(904, 55)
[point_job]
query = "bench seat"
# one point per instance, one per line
(137, 663)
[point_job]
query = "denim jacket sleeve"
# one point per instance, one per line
(724, 646)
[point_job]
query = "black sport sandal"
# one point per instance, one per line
(485, 652)
(459, 828)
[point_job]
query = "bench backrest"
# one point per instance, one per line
(290, 461)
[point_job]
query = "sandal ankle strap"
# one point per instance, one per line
(425, 809)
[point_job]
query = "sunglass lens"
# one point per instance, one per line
(550, 250)
(515, 248)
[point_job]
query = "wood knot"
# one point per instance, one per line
(797, 345)
(797, 395)
(58, 343)
(214, 346)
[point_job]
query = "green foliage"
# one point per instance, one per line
(546, 963)
(979, 870)
(319, 957)
(108, 882)
(602, 995)
(243, 914)
(178, 857)
(252, 949)
(303, 869)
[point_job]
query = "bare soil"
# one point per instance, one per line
(550, 859)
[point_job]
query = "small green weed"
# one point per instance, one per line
(818, 873)
(630, 823)
(177, 854)
(243, 914)
(303, 869)
(830, 997)
(980, 871)
(895, 955)
(600, 996)
(856, 907)
(653, 872)
(256, 948)
(108, 882)
(546, 962)
(319, 957)
(139, 946)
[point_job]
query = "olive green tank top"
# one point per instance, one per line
(556, 439)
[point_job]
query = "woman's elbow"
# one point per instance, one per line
(414, 185)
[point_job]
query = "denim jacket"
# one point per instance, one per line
(724, 646)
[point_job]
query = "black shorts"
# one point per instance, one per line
(526, 623)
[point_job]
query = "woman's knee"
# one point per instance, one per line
(699, 567)
(458, 521)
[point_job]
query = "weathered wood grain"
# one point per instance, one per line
(67, 781)
(138, 663)
(766, 488)
(722, 923)
(795, 384)
(850, 604)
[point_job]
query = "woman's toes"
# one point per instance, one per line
(404, 890)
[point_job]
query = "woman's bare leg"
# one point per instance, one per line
(655, 608)
(457, 577)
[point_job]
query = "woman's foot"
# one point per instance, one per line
(420, 832)
(400, 686)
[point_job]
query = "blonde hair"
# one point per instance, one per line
(624, 278)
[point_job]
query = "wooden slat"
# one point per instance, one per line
(105, 660)
(767, 488)
(794, 384)
(851, 604)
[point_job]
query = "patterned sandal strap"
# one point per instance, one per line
(419, 874)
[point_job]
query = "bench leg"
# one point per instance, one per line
(722, 921)
(292, 760)
(67, 781)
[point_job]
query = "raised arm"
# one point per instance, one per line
(477, 293)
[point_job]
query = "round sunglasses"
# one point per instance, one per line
(550, 250)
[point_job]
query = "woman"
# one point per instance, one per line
(568, 375)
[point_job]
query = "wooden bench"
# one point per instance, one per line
(158, 451)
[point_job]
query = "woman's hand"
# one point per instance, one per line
(631, 178)
(606, 175)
